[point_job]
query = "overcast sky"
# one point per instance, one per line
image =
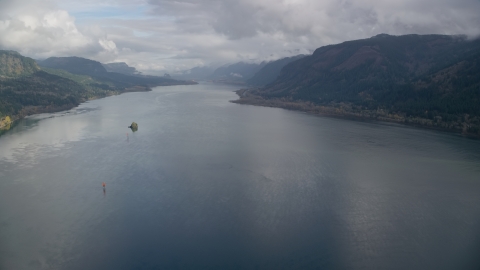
(158, 36)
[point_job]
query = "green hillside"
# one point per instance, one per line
(37, 93)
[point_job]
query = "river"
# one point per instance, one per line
(208, 184)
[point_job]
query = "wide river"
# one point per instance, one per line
(208, 184)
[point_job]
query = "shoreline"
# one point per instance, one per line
(345, 111)
(34, 110)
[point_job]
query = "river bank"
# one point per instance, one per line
(7, 122)
(464, 125)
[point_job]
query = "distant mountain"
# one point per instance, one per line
(120, 67)
(75, 65)
(196, 73)
(13, 65)
(429, 80)
(82, 66)
(271, 70)
(238, 72)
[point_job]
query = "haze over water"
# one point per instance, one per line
(207, 184)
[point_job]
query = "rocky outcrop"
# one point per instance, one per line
(5, 123)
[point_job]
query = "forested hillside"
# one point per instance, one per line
(430, 80)
(40, 91)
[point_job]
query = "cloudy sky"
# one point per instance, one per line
(158, 36)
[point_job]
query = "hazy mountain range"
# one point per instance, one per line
(270, 72)
(196, 73)
(428, 80)
(120, 67)
(240, 73)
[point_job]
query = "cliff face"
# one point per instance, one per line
(13, 65)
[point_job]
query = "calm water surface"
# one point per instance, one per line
(207, 184)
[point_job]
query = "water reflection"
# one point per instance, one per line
(28, 138)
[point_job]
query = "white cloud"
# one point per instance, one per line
(108, 45)
(168, 35)
(42, 32)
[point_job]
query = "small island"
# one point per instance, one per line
(133, 126)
